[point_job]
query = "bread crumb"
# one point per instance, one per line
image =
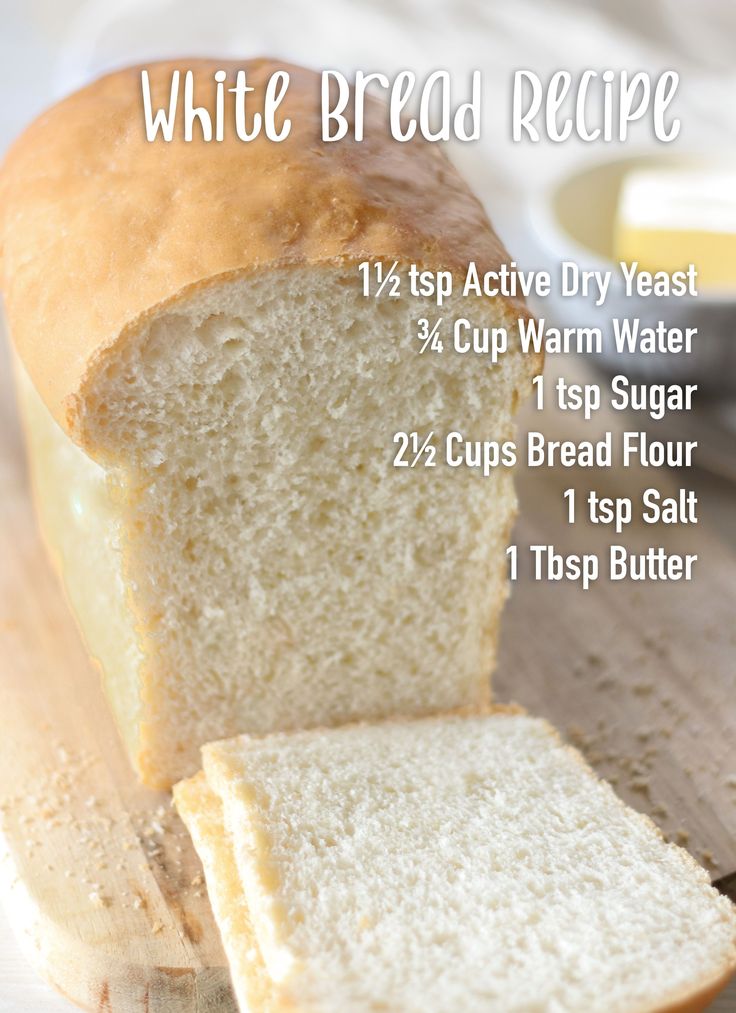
(99, 900)
(605, 682)
(640, 784)
(577, 736)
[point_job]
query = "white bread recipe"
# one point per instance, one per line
(210, 405)
(450, 863)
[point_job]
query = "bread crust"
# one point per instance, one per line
(100, 228)
(701, 1000)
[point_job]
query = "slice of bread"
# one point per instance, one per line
(211, 406)
(455, 863)
(201, 810)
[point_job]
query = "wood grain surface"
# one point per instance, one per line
(640, 676)
(97, 874)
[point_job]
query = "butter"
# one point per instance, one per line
(669, 218)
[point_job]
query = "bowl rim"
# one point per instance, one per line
(556, 240)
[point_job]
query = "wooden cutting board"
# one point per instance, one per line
(97, 873)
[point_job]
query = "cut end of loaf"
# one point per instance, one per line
(281, 571)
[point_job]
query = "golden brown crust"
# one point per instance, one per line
(701, 1000)
(98, 227)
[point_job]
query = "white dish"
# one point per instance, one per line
(573, 219)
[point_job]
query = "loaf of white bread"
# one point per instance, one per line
(446, 864)
(211, 405)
